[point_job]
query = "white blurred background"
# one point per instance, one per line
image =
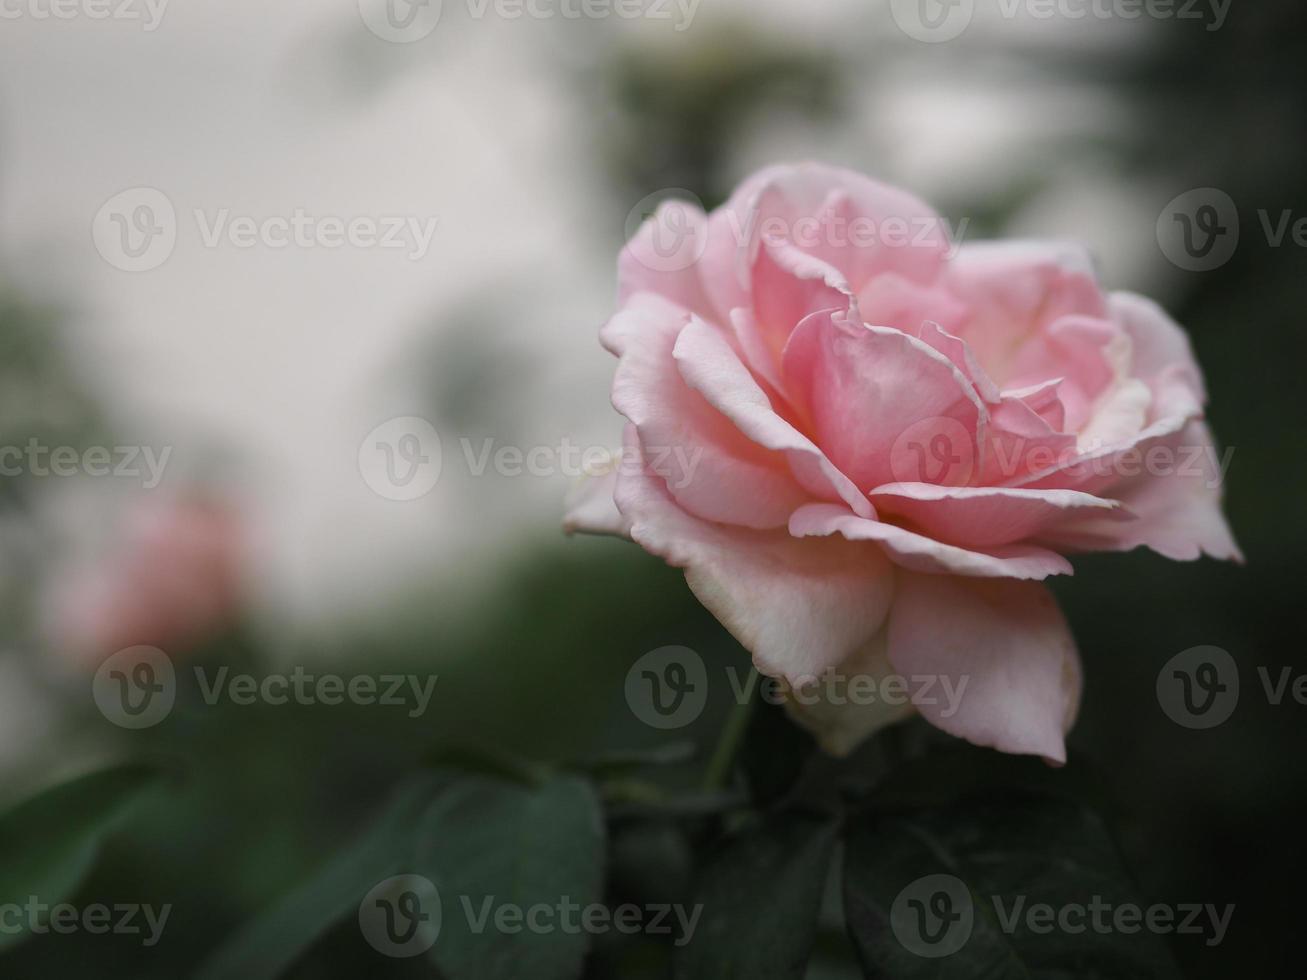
(265, 368)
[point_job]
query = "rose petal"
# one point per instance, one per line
(890, 300)
(1120, 414)
(1010, 645)
(1098, 469)
(1088, 354)
(664, 258)
(590, 507)
(841, 724)
(1177, 513)
(1025, 435)
(1159, 343)
(864, 387)
(922, 554)
(799, 606)
(788, 286)
(1016, 289)
(642, 314)
(710, 467)
(711, 367)
(1042, 400)
(1161, 359)
(852, 223)
(960, 354)
(985, 516)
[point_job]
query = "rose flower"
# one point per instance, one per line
(865, 445)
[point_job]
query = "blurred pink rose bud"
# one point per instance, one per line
(171, 577)
(865, 444)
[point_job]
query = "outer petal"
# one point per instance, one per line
(1161, 357)
(1098, 470)
(665, 258)
(1177, 511)
(982, 517)
(1120, 414)
(710, 467)
(1159, 343)
(840, 726)
(920, 553)
(642, 314)
(590, 507)
(1014, 290)
(798, 606)
(852, 223)
(1010, 645)
(863, 388)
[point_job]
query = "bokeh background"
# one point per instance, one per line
(532, 142)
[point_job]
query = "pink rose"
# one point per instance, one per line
(173, 577)
(865, 444)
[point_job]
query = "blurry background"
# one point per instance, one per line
(531, 142)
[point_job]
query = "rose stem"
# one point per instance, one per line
(728, 742)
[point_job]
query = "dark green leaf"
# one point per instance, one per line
(49, 843)
(942, 880)
(760, 897)
(271, 942)
(493, 846)
(475, 838)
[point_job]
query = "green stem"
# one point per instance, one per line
(718, 772)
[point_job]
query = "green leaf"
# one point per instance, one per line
(942, 877)
(49, 843)
(496, 845)
(760, 898)
(271, 942)
(472, 835)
